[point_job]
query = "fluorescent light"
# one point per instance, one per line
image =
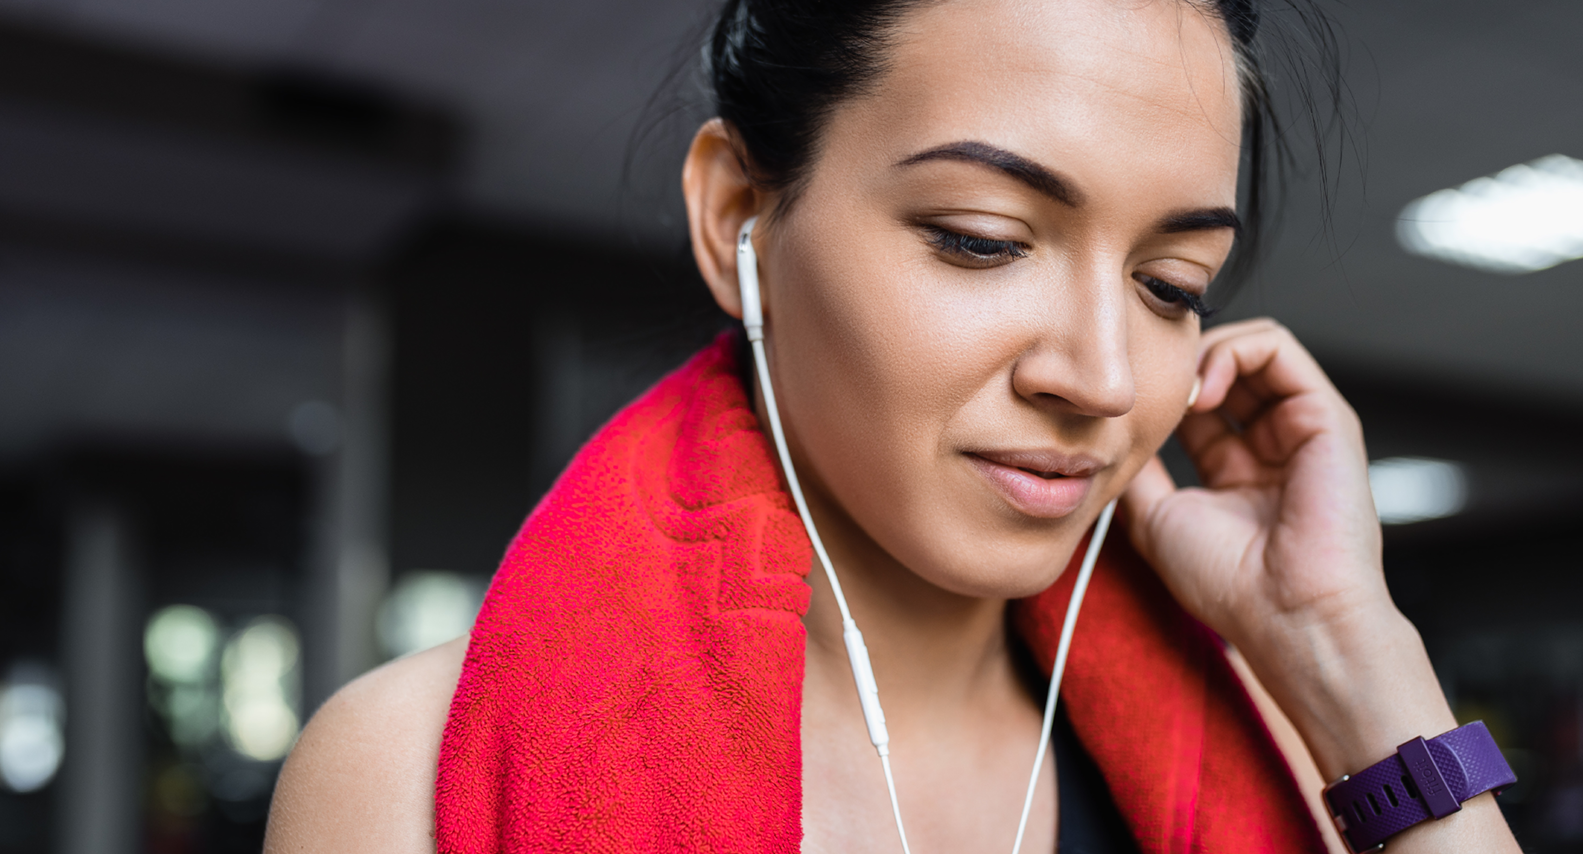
(1526, 217)
(1412, 489)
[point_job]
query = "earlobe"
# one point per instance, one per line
(720, 198)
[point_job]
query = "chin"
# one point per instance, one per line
(1018, 574)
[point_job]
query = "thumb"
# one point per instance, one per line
(1152, 485)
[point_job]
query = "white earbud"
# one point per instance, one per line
(856, 650)
(748, 282)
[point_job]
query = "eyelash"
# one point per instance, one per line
(974, 248)
(1169, 293)
(983, 249)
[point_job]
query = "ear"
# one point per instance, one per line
(720, 198)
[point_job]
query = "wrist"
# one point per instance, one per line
(1355, 686)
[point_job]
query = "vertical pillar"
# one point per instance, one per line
(100, 787)
(350, 564)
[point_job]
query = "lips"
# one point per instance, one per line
(1043, 484)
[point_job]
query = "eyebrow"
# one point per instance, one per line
(1202, 219)
(1052, 185)
(1042, 180)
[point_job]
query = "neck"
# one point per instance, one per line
(938, 656)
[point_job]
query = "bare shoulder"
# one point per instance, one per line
(361, 778)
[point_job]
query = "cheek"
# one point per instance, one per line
(873, 360)
(1164, 363)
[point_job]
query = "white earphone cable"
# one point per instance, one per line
(756, 336)
(895, 808)
(1068, 626)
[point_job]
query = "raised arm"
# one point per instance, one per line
(1281, 554)
(361, 778)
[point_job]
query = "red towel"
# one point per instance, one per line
(634, 680)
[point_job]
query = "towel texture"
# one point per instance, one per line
(634, 679)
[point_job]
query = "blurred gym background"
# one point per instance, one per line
(303, 304)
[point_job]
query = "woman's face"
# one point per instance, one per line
(980, 305)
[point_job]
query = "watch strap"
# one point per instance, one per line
(1426, 778)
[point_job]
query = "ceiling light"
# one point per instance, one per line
(1526, 217)
(1413, 489)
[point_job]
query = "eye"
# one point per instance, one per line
(965, 250)
(1175, 302)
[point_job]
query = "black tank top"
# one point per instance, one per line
(1089, 822)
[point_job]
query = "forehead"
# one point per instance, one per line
(1107, 91)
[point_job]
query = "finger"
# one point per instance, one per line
(1150, 486)
(1274, 392)
(1287, 426)
(1225, 331)
(1212, 359)
(1219, 372)
(1265, 359)
(1221, 455)
(1290, 382)
(1244, 405)
(1199, 431)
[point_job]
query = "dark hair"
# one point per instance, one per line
(777, 68)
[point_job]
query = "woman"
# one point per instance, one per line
(986, 231)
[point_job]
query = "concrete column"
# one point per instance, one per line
(350, 565)
(100, 785)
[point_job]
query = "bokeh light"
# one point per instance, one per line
(31, 741)
(1415, 489)
(180, 643)
(1522, 219)
(427, 608)
(259, 678)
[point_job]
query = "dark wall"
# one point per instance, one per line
(1496, 590)
(511, 347)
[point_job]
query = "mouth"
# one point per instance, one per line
(1042, 484)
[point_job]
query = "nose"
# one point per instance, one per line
(1078, 358)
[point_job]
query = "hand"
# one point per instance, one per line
(1284, 533)
(1280, 554)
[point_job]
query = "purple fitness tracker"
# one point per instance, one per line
(1424, 780)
